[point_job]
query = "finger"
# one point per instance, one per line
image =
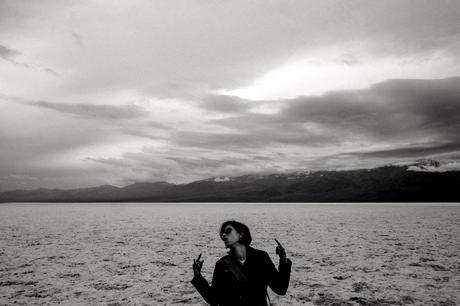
(279, 244)
(199, 256)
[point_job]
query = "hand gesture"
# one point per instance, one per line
(281, 251)
(197, 265)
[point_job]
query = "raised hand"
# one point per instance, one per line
(281, 251)
(197, 265)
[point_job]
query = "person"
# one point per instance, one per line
(241, 277)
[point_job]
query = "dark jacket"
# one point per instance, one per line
(258, 269)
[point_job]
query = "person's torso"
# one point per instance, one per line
(235, 293)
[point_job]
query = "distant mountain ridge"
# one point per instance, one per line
(418, 182)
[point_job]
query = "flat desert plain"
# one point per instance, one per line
(141, 254)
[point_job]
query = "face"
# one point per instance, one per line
(230, 236)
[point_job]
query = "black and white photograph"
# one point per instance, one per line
(230, 153)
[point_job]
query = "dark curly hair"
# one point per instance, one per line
(241, 228)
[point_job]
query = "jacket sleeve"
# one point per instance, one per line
(278, 280)
(209, 293)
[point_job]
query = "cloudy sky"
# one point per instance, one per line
(115, 92)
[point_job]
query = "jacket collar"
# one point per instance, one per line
(249, 252)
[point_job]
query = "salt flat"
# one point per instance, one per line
(141, 254)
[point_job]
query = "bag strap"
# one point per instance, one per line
(241, 279)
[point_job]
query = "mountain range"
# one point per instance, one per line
(423, 181)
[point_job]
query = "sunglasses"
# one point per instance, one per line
(227, 231)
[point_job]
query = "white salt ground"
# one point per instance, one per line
(141, 254)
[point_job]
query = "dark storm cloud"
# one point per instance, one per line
(206, 163)
(393, 113)
(262, 137)
(389, 110)
(95, 111)
(150, 130)
(409, 152)
(114, 162)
